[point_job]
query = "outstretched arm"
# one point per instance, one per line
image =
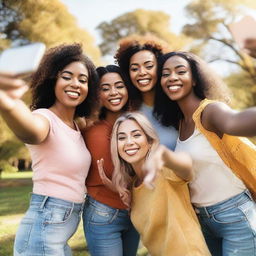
(28, 127)
(179, 162)
(220, 118)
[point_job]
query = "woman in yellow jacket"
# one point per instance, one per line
(159, 199)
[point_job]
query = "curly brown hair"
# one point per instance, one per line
(44, 79)
(130, 45)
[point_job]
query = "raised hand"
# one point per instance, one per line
(153, 165)
(106, 181)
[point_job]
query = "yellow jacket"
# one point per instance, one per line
(239, 154)
(165, 218)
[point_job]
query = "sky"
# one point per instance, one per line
(90, 13)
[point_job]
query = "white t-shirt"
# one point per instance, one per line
(214, 182)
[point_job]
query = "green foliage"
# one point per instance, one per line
(138, 22)
(6, 167)
(9, 148)
(243, 90)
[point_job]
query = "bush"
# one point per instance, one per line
(6, 167)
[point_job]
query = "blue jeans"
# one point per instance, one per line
(229, 227)
(47, 226)
(108, 231)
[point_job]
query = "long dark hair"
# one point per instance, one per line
(207, 85)
(45, 78)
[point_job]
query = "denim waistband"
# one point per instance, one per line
(224, 205)
(101, 206)
(41, 200)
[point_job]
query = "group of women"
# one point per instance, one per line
(180, 179)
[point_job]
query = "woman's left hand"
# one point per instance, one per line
(106, 181)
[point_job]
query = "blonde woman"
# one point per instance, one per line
(161, 212)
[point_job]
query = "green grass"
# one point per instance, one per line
(16, 175)
(14, 199)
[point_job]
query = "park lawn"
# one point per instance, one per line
(14, 199)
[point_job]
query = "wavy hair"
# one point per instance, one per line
(207, 85)
(127, 48)
(124, 174)
(44, 79)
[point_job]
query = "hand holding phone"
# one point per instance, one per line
(21, 60)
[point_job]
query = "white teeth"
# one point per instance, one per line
(115, 101)
(131, 151)
(76, 94)
(143, 81)
(174, 87)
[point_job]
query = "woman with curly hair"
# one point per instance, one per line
(63, 88)
(107, 225)
(138, 57)
(224, 164)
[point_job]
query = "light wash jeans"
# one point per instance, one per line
(108, 231)
(229, 227)
(46, 227)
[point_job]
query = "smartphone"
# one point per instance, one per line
(22, 60)
(243, 29)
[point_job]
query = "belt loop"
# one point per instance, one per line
(43, 202)
(207, 213)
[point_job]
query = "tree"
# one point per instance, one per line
(209, 27)
(47, 21)
(139, 22)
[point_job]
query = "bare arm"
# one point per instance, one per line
(220, 118)
(28, 127)
(179, 162)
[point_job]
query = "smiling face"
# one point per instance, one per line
(71, 87)
(143, 70)
(113, 92)
(176, 78)
(132, 143)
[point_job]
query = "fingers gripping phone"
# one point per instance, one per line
(21, 60)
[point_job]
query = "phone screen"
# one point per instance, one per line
(21, 60)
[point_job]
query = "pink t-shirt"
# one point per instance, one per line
(60, 163)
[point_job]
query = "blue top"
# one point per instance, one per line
(167, 135)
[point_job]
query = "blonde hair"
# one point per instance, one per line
(124, 174)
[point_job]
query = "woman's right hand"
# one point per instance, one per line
(11, 89)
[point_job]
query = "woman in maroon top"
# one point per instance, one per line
(107, 226)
